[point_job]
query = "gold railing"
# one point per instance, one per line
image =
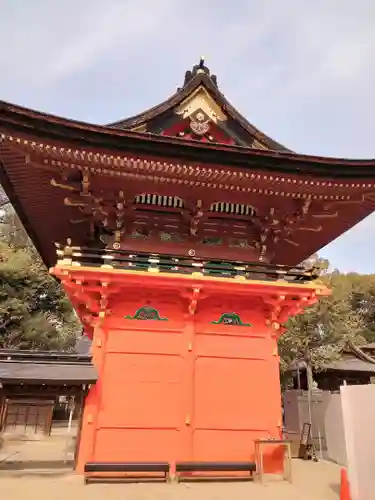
(154, 262)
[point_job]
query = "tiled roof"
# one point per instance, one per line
(352, 365)
(369, 347)
(353, 360)
(46, 367)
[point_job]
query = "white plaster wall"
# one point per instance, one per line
(358, 408)
(334, 427)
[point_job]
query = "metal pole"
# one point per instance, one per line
(72, 406)
(70, 418)
(320, 445)
(309, 377)
(298, 378)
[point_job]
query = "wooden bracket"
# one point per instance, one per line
(280, 308)
(194, 300)
(192, 295)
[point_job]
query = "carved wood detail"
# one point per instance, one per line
(113, 217)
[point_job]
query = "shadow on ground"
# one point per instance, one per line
(335, 488)
(36, 464)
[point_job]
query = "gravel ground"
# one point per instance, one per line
(311, 481)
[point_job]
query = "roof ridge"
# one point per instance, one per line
(200, 75)
(358, 351)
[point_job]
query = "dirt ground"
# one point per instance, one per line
(311, 481)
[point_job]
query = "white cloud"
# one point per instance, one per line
(109, 28)
(51, 40)
(47, 41)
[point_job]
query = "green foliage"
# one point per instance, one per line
(363, 302)
(34, 311)
(11, 229)
(318, 335)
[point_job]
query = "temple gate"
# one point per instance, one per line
(178, 236)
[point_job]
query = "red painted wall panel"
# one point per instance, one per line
(182, 389)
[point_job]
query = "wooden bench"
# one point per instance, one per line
(215, 467)
(113, 470)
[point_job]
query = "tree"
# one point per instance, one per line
(363, 302)
(317, 264)
(11, 229)
(34, 311)
(318, 335)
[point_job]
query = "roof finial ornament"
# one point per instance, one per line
(199, 69)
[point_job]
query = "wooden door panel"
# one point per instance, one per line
(27, 418)
(228, 394)
(140, 409)
(230, 404)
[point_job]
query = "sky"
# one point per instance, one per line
(302, 72)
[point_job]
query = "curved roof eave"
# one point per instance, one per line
(17, 119)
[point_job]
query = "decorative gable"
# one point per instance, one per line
(199, 111)
(199, 126)
(200, 100)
